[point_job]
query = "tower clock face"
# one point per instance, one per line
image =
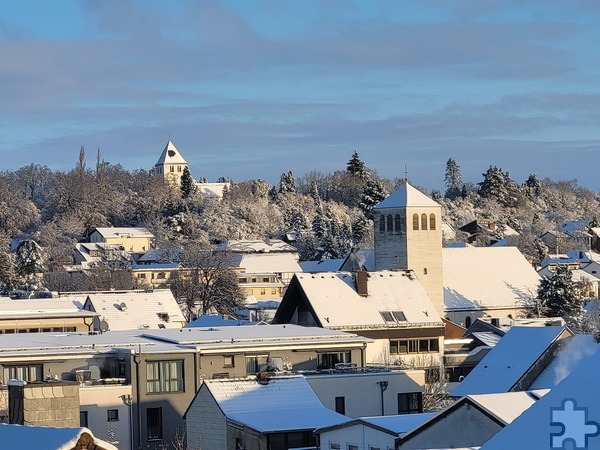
(171, 153)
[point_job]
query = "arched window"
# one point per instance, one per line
(382, 224)
(432, 221)
(415, 221)
(467, 322)
(390, 223)
(423, 221)
(424, 270)
(398, 223)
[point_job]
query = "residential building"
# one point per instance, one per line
(154, 275)
(132, 240)
(369, 433)
(134, 310)
(43, 315)
(274, 414)
(469, 422)
(390, 307)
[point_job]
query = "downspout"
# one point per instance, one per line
(383, 385)
(137, 357)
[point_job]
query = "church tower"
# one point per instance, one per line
(408, 235)
(170, 165)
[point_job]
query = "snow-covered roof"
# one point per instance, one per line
(406, 196)
(40, 308)
(282, 404)
(108, 232)
(576, 227)
(393, 425)
(576, 275)
(214, 190)
(268, 263)
(257, 246)
(27, 437)
(502, 368)
(215, 321)
(170, 155)
(132, 310)
(507, 406)
(336, 303)
(570, 403)
(326, 265)
(572, 351)
(487, 277)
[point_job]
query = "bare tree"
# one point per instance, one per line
(206, 284)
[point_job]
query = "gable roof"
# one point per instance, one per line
(572, 351)
(336, 304)
(170, 155)
(257, 246)
(133, 310)
(35, 437)
(487, 277)
(107, 232)
(502, 408)
(267, 263)
(506, 364)
(535, 428)
(393, 425)
(40, 308)
(282, 404)
(406, 196)
(326, 265)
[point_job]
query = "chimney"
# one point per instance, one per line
(360, 281)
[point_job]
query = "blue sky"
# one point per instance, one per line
(253, 88)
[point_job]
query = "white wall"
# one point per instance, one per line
(97, 400)
(358, 434)
(363, 393)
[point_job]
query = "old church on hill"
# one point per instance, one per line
(170, 165)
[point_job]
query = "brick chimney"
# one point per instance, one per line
(360, 280)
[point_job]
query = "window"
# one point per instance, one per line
(164, 376)
(424, 270)
(334, 446)
(382, 224)
(398, 223)
(141, 275)
(329, 360)
(340, 405)
(372, 447)
(387, 316)
(273, 291)
(161, 275)
(243, 280)
(32, 372)
(253, 363)
(154, 423)
(415, 221)
(390, 223)
(239, 443)
(467, 322)
(83, 419)
(179, 169)
(432, 221)
(112, 415)
(171, 169)
(423, 221)
(265, 279)
(263, 292)
(404, 346)
(399, 316)
(228, 361)
(352, 447)
(410, 403)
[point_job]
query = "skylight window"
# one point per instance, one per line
(399, 316)
(387, 316)
(393, 316)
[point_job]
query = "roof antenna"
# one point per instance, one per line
(405, 170)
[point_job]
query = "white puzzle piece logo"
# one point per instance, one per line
(575, 428)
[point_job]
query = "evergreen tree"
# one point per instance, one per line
(287, 182)
(29, 258)
(356, 166)
(373, 193)
(558, 296)
(533, 187)
(453, 180)
(6, 272)
(187, 183)
(498, 185)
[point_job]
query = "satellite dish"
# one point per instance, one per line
(104, 326)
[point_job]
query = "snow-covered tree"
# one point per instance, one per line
(453, 180)
(498, 185)
(287, 182)
(29, 258)
(533, 186)
(373, 193)
(187, 183)
(356, 166)
(558, 296)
